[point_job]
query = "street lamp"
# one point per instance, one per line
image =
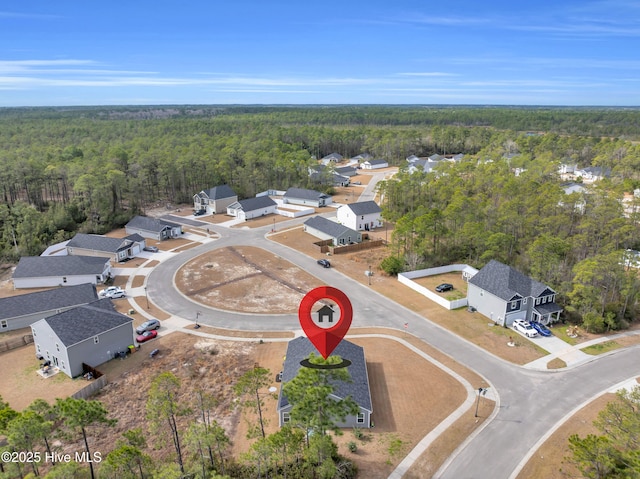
(146, 297)
(482, 391)
(198, 313)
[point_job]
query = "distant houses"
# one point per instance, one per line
(374, 164)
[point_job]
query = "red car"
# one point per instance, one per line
(146, 336)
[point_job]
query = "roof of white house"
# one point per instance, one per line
(363, 207)
(103, 243)
(328, 227)
(43, 266)
(251, 204)
(304, 194)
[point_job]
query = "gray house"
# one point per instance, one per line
(302, 196)
(21, 311)
(90, 334)
(116, 249)
(215, 200)
(252, 208)
(325, 229)
(153, 228)
(48, 271)
(346, 170)
(504, 294)
(300, 348)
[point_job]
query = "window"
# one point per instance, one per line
(537, 301)
(57, 347)
(96, 339)
(38, 347)
(63, 365)
(360, 418)
(286, 417)
(4, 324)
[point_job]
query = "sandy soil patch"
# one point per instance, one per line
(247, 279)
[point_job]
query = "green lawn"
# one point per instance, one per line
(601, 348)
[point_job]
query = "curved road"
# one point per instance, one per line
(531, 402)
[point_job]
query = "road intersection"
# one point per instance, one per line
(530, 403)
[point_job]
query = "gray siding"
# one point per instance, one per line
(51, 281)
(487, 304)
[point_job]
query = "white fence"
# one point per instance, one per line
(271, 193)
(408, 277)
(292, 211)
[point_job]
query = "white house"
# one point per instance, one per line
(365, 215)
(153, 228)
(48, 271)
(117, 249)
(252, 208)
(374, 164)
(302, 196)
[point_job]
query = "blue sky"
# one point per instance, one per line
(564, 52)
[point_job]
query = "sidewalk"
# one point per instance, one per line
(572, 355)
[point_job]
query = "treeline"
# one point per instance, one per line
(508, 203)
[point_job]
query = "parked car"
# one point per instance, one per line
(199, 212)
(149, 325)
(146, 336)
(106, 293)
(116, 294)
(541, 328)
(324, 263)
(151, 249)
(441, 288)
(525, 328)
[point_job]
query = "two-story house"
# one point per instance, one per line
(504, 294)
(364, 215)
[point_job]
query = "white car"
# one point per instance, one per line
(525, 328)
(111, 291)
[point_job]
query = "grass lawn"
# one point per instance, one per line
(601, 348)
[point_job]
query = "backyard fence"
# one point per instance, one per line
(94, 385)
(13, 343)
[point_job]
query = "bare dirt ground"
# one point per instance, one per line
(245, 279)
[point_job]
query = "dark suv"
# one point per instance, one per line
(324, 263)
(441, 288)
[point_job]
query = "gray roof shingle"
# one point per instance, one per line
(305, 194)
(506, 282)
(300, 348)
(333, 229)
(52, 299)
(102, 243)
(84, 322)
(259, 202)
(44, 266)
(151, 224)
(364, 207)
(219, 192)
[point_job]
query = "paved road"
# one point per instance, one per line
(531, 402)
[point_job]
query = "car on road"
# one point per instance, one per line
(116, 294)
(441, 288)
(106, 293)
(525, 328)
(151, 249)
(324, 263)
(149, 325)
(541, 328)
(146, 336)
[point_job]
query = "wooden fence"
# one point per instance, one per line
(13, 343)
(94, 385)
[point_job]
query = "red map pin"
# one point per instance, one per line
(327, 336)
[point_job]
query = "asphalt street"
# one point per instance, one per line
(530, 402)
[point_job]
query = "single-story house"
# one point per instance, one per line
(322, 177)
(48, 271)
(346, 171)
(503, 294)
(153, 228)
(374, 164)
(214, 200)
(300, 348)
(362, 157)
(25, 309)
(302, 196)
(91, 334)
(252, 208)
(325, 229)
(331, 158)
(365, 215)
(116, 249)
